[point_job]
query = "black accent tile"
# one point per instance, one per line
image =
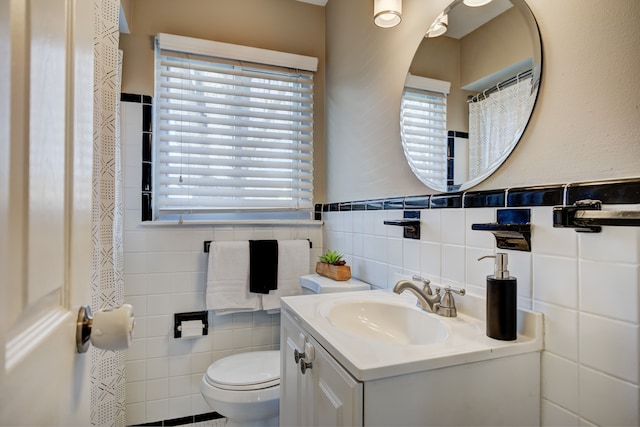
(359, 206)
(345, 206)
(451, 133)
(206, 417)
(146, 177)
(394, 204)
(375, 205)
(146, 99)
(535, 196)
(459, 134)
(147, 123)
(440, 201)
(178, 421)
(484, 199)
(450, 170)
(130, 97)
(513, 216)
(608, 192)
(151, 424)
(146, 208)
(416, 202)
(146, 147)
(334, 207)
(450, 147)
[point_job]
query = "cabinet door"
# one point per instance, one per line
(336, 397)
(291, 387)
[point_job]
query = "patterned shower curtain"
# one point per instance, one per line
(107, 281)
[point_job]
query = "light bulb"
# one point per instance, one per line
(476, 3)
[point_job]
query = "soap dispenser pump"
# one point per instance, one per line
(502, 294)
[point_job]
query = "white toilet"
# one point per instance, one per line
(245, 387)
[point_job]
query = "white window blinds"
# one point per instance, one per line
(423, 121)
(230, 136)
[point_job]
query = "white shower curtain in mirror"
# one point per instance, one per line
(107, 281)
(494, 121)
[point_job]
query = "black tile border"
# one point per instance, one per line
(147, 151)
(175, 422)
(535, 196)
(130, 97)
(619, 191)
(624, 191)
(484, 199)
(446, 201)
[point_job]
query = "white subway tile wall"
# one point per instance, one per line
(587, 286)
(165, 273)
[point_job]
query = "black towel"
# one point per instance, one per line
(263, 266)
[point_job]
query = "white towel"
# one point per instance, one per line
(293, 263)
(228, 279)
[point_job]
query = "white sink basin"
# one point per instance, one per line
(385, 322)
(377, 334)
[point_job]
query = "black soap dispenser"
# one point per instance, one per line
(502, 294)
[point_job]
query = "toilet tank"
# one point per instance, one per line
(317, 284)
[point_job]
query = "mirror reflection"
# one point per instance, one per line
(469, 92)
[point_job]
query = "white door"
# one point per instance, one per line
(46, 107)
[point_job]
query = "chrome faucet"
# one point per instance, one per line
(435, 303)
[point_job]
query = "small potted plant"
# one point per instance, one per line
(333, 266)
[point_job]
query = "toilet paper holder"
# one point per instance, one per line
(200, 316)
(109, 329)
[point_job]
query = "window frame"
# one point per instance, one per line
(250, 58)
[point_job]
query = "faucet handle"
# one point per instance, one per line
(447, 306)
(426, 288)
(449, 289)
(421, 279)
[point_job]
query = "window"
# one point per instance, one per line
(423, 121)
(233, 135)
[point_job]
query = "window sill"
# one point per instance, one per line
(274, 222)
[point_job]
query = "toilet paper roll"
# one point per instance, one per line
(113, 329)
(191, 328)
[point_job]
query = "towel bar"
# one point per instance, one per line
(207, 245)
(588, 216)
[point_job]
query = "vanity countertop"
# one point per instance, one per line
(368, 359)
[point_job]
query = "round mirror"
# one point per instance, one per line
(470, 92)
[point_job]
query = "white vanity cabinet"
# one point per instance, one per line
(325, 394)
(482, 388)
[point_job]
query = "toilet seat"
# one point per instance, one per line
(246, 371)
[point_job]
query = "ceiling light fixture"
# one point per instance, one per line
(476, 3)
(387, 13)
(439, 26)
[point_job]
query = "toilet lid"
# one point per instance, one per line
(246, 371)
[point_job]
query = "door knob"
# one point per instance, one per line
(108, 329)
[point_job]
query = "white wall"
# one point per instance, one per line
(586, 124)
